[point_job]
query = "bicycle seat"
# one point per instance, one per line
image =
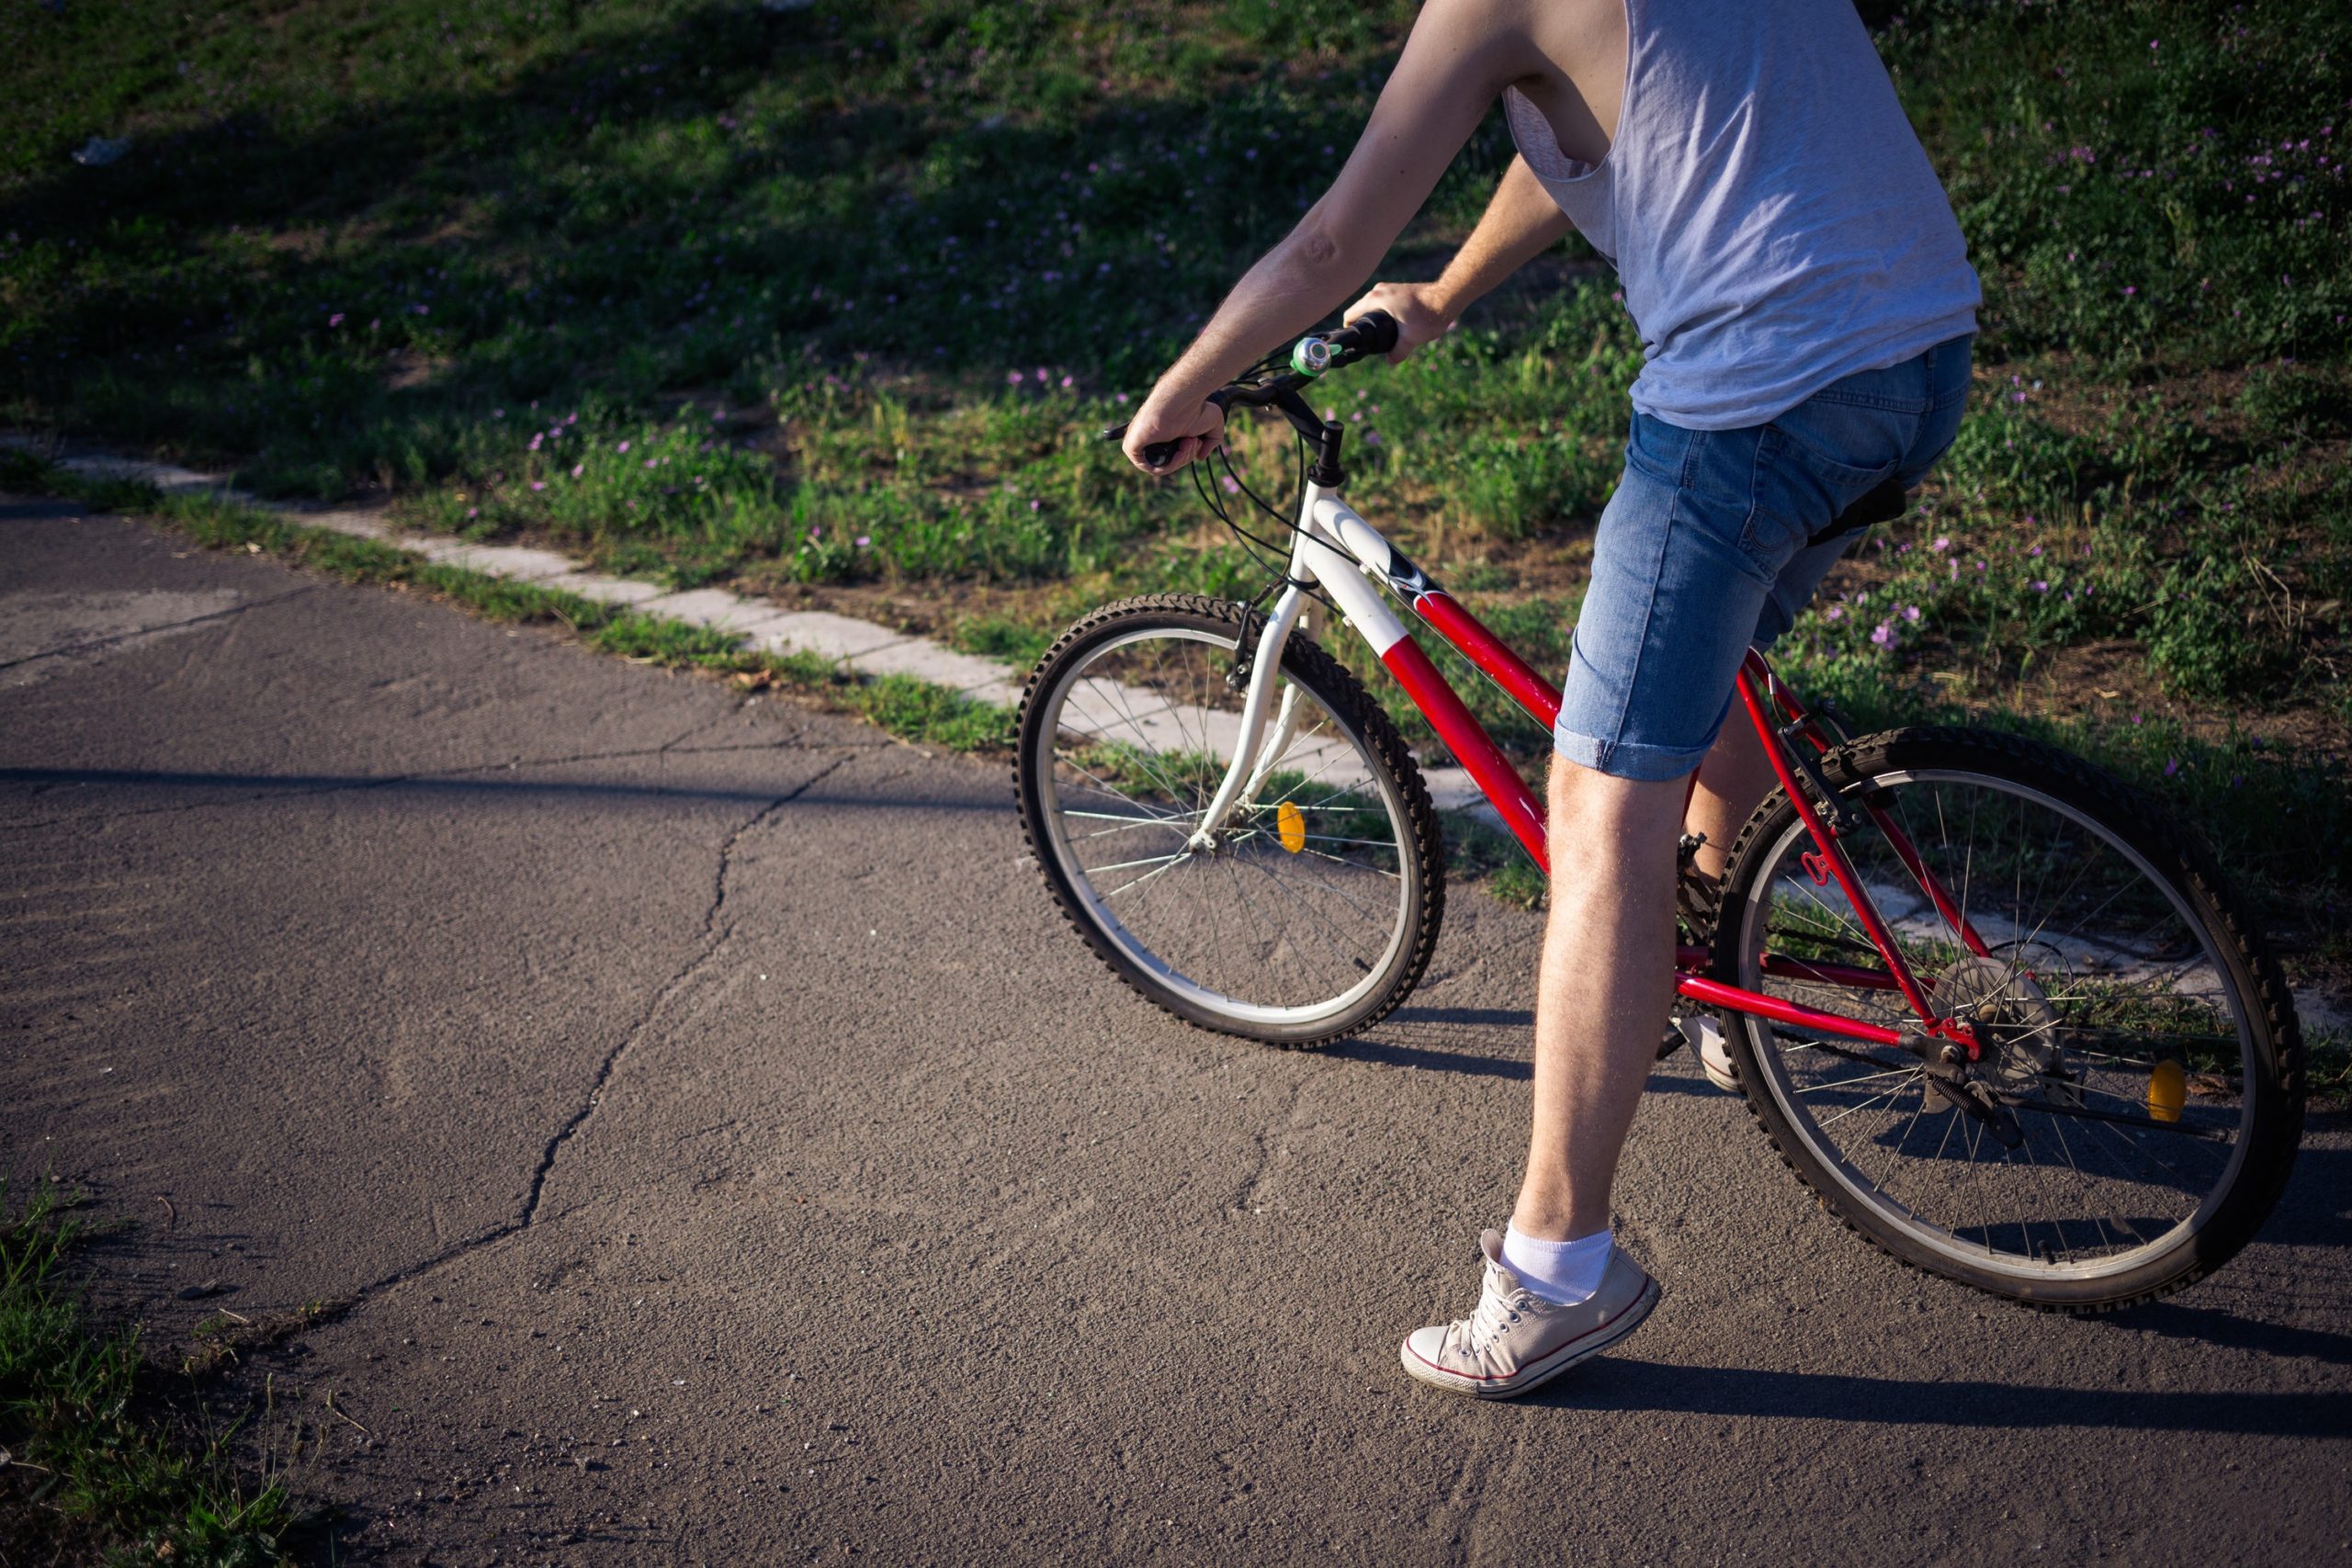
(1882, 503)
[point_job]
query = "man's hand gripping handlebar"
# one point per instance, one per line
(1370, 334)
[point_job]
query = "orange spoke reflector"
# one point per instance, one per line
(2167, 1092)
(1291, 824)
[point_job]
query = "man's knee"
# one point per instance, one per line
(1593, 812)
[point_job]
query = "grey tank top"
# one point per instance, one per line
(1773, 220)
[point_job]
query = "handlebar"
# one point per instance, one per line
(1374, 332)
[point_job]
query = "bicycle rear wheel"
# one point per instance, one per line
(2139, 1101)
(1314, 911)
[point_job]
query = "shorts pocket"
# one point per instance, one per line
(1662, 451)
(1801, 491)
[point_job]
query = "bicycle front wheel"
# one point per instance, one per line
(2136, 1106)
(1312, 910)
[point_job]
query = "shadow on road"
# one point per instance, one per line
(264, 786)
(2217, 1327)
(1617, 1384)
(1414, 1023)
(1394, 1056)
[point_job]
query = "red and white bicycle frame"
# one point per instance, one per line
(1335, 549)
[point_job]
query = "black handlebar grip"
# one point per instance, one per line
(1374, 332)
(1157, 453)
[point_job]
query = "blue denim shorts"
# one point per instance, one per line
(1702, 552)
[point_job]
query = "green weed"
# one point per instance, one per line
(85, 1422)
(1002, 638)
(842, 295)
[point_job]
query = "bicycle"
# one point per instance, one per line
(2053, 1060)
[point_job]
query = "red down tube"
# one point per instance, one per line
(1470, 744)
(1482, 648)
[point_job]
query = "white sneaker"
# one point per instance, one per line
(1516, 1340)
(1705, 1033)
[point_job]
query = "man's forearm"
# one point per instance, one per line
(1291, 287)
(1520, 223)
(1306, 278)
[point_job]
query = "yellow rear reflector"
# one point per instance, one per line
(1292, 826)
(2167, 1092)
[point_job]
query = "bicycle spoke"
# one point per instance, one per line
(2093, 977)
(1148, 736)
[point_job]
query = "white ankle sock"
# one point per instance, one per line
(1563, 1271)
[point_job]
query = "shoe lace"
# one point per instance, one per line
(1493, 1319)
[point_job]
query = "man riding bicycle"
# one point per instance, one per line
(1805, 304)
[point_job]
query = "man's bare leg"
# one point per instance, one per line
(1736, 776)
(1601, 994)
(1556, 1290)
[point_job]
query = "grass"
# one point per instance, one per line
(100, 1459)
(911, 709)
(828, 302)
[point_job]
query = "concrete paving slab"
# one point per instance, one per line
(358, 525)
(826, 635)
(926, 660)
(603, 590)
(169, 477)
(1003, 693)
(712, 607)
(511, 561)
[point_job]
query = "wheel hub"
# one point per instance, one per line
(2013, 1020)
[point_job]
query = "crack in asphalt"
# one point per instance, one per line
(108, 641)
(1283, 1121)
(710, 941)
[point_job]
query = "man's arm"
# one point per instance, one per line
(1520, 223)
(1461, 54)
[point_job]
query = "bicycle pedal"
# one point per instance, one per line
(1673, 1041)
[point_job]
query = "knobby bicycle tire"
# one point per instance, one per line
(2275, 1079)
(1421, 845)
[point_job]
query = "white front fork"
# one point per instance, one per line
(1341, 575)
(1241, 775)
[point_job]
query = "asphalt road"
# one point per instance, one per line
(715, 1150)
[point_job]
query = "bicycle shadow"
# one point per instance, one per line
(1413, 1024)
(1622, 1384)
(2315, 1211)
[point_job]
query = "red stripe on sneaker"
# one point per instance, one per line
(1600, 1328)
